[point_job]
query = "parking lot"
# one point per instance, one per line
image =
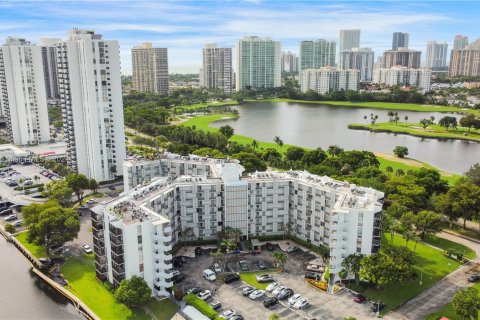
(321, 305)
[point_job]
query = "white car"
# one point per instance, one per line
(256, 294)
(91, 201)
(301, 303)
(175, 273)
(272, 286)
(292, 249)
(294, 298)
(277, 290)
(87, 249)
(205, 295)
(18, 223)
(227, 314)
(217, 268)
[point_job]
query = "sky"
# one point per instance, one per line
(184, 27)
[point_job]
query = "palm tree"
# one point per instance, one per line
(352, 265)
(254, 144)
(36, 178)
(279, 257)
(365, 117)
(416, 239)
(229, 245)
(188, 233)
(279, 142)
(406, 119)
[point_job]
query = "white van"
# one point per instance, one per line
(209, 275)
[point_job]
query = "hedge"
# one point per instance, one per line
(19, 188)
(200, 305)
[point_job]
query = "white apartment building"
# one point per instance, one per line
(349, 39)
(150, 69)
(325, 80)
(50, 66)
(404, 76)
(23, 95)
(258, 63)
(149, 218)
(91, 101)
(217, 71)
(436, 55)
(361, 59)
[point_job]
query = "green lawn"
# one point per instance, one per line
(447, 244)
(37, 251)
(202, 122)
(250, 278)
(380, 105)
(431, 266)
(447, 311)
(209, 104)
(415, 129)
(163, 310)
(465, 232)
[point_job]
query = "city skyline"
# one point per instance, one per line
(185, 27)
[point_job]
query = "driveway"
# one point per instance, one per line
(439, 294)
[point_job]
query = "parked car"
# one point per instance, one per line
(244, 265)
(231, 277)
(247, 290)
(205, 295)
(198, 251)
(209, 275)
(269, 246)
(294, 298)
(227, 314)
(377, 306)
(91, 201)
(6, 211)
(270, 302)
(292, 249)
(87, 249)
(217, 268)
(256, 294)
(12, 184)
(177, 263)
(28, 183)
(10, 217)
(18, 223)
(312, 275)
(277, 290)
(46, 261)
(474, 278)
(285, 294)
(178, 278)
(315, 268)
(236, 317)
(272, 286)
(264, 278)
(194, 290)
(215, 305)
(261, 265)
(111, 187)
(301, 303)
(360, 298)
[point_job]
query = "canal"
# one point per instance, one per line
(23, 295)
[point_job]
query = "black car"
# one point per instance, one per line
(198, 251)
(178, 278)
(377, 306)
(358, 298)
(177, 263)
(312, 275)
(231, 277)
(270, 302)
(474, 278)
(236, 317)
(111, 187)
(194, 290)
(269, 246)
(261, 265)
(244, 265)
(6, 211)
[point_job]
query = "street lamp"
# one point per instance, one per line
(377, 314)
(421, 277)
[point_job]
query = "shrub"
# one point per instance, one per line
(10, 228)
(200, 305)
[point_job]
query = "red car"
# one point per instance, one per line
(360, 299)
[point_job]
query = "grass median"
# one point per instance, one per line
(446, 244)
(37, 251)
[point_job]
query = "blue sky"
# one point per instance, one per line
(185, 26)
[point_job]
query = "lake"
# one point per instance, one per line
(315, 125)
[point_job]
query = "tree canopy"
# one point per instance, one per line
(133, 292)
